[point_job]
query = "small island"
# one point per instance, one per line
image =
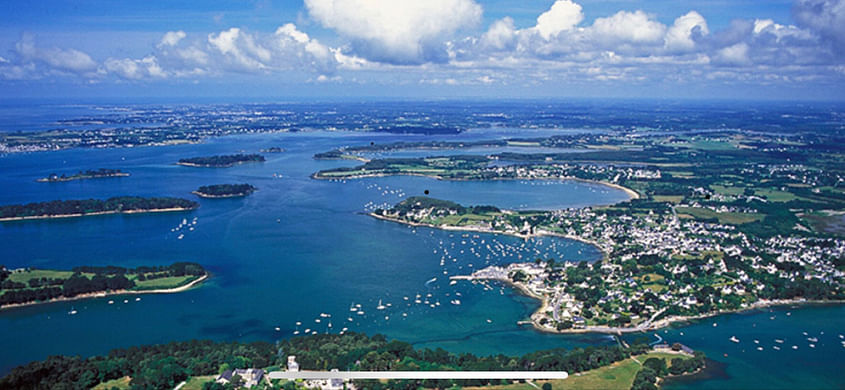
(82, 175)
(222, 161)
(274, 149)
(224, 190)
(31, 286)
(86, 207)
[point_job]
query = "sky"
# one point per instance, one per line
(704, 49)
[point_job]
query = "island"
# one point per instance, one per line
(221, 161)
(224, 190)
(88, 207)
(89, 174)
(29, 286)
(273, 149)
(717, 222)
(216, 365)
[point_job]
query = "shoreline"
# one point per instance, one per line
(33, 217)
(71, 178)
(544, 304)
(631, 193)
(207, 196)
(103, 294)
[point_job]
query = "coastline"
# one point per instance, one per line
(71, 178)
(544, 301)
(631, 193)
(102, 294)
(204, 195)
(167, 210)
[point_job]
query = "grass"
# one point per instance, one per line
(196, 382)
(727, 190)
(726, 218)
(775, 195)
(669, 198)
(23, 277)
(619, 375)
(120, 383)
(163, 283)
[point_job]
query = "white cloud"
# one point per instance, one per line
(564, 15)
(501, 35)
(172, 38)
(679, 37)
(128, 68)
(733, 55)
(240, 49)
(628, 27)
(396, 31)
(70, 60)
(826, 17)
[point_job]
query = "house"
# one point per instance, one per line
(249, 377)
(293, 366)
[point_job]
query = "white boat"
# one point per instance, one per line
(794, 347)
(317, 320)
(181, 236)
(298, 323)
(779, 341)
(111, 302)
(380, 305)
(489, 321)
(759, 348)
(812, 339)
(360, 312)
(278, 329)
(350, 319)
(456, 302)
(72, 311)
(296, 332)
(776, 348)
(812, 345)
(734, 339)
(137, 299)
(307, 330)
(454, 282)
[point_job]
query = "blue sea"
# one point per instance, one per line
(298, 248)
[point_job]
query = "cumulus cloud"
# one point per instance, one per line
(128, 68)
(564, 15)
(68, 60)
(825, 17)
(172, 38)
(684, 31)
(397, 31)
(240, 49)
(501, 35)
(628, 27)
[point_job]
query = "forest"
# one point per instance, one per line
(166, 365)
(222, 161)
(84, 280)
(225, 190)
(121, 204)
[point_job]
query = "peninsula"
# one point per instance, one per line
(82, 175)
(87, 207)
(723, 221)
(222, 161)
(31, 286)
(224, 190)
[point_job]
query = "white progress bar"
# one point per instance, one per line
(535, 375)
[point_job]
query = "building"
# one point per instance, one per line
(249, 377)
(293, 366)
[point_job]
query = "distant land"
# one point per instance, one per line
(718, 222)
(274, 149)
(30, 286)
(82, 175)
(222, 161)
(224, 190)
(86, 207)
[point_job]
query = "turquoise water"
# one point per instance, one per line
(300, 247)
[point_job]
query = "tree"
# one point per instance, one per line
(547, 386)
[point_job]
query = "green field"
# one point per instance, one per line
(619, 375)
(669, 198)
(726, 218)
(25, 276)
(120, 383)
(196, 382)
(163, 283)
